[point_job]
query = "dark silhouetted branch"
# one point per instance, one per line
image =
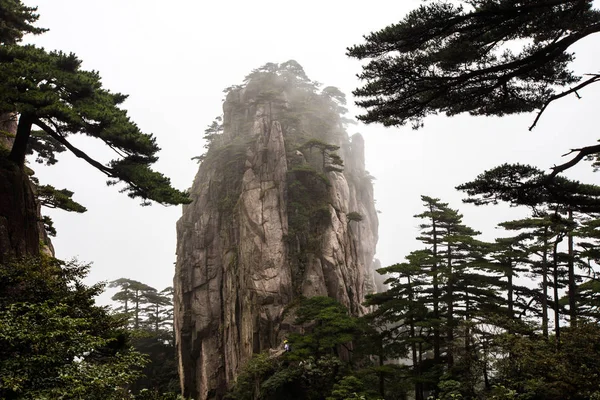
(581, 154)
(594, 78)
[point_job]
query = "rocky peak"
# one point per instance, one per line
(283, 207)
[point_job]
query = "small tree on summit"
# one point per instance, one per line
(331, 160)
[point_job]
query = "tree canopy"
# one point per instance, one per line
(482, 57)
(17, 20)
(55, 342)
(55, 98)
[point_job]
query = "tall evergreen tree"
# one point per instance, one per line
(159, 310)
(402, 315)
(133, 295)
(431, 236)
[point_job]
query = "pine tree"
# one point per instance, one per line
(511, 254)
(479, 57)
(159, 310)
(17, 20)
(54, 98)
(403, 317)
(431, 235)
(133, 295)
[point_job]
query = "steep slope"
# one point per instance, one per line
(282, 207)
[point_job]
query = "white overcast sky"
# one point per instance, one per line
(174, 58)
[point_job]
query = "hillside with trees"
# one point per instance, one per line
(516, 318)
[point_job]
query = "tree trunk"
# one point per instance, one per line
(511, 299)
(416, 364)
(486, 379)
(19, 147)
(436, 294)
(381, 376)
(556, 298)
(572, 283)
(545, 285)
(19, 211)
(19, 222)
(136, 321)
(450, 305)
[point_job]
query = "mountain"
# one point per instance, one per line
(282, 207)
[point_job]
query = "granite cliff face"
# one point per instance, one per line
(282, 207)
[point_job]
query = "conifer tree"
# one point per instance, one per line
(431, 236)
(511, 254)
(17, 20)
(159, 310)
(54, 98)
(402, 315)
(133, 296)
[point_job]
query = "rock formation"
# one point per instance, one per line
(283, 207)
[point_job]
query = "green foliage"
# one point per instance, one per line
(148, 315)
(46, 148)
(349, 388)
(536, 369)
(327, 325)
(266, 378)
(17, 20)
(525, 185)
(354, 216)
(248, 384)
(50, 197)
(211, 134)
(308, 211)
(470, 331)
(481, 57)
(332, 162)
(159, 375)
(54, 341)
(51, 92)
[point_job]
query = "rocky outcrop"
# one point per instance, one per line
(274, 217)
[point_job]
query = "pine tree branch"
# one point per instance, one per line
(595, 78)
(581, 154)
(61, 139)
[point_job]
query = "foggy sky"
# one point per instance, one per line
(175, 58)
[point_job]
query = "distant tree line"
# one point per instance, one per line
(148, 317)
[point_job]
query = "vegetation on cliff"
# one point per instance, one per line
(313, 125)
(462, 319)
